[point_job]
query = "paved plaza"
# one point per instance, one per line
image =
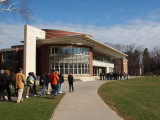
(84, 103)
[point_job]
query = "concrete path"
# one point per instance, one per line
(83, 104)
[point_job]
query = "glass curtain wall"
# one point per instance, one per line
(70, 59)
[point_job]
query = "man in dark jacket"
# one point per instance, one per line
(48, 81)
(70, 81)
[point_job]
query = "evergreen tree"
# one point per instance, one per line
(146, 61)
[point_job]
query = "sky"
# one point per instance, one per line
(112, 21)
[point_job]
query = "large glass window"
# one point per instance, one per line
(70, 59)
(70, 50)
(101, 58)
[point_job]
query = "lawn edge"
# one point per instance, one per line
(110, 103)
(57, 106)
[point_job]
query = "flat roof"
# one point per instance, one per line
(85, 40)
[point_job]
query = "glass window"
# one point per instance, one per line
(75, 68)
(78, 50)
(88, 69)
(56, 50)
(9, 55)
(82, 68)
(79, 68)
(62, 50)
(52, 50)
(86, 51)
(52, 66)
(71, 67)
(70, 50)
(61, 67)
(57, 66)
(74, 50)
(66, 68)
(82, 50)
(85, 68)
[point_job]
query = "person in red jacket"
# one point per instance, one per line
(54, 78)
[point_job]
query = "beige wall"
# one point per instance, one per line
(30, 35)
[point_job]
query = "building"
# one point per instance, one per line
(45, 50)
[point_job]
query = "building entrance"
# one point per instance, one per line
(98, 70)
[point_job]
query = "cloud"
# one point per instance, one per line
(138, 32)
(10, 35)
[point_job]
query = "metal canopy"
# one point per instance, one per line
(84, 40)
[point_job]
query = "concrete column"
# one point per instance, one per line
(30, 36)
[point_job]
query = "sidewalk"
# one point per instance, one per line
(83, 104)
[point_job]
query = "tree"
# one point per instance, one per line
(15, 8)
(134, 56)
(156, 59)
(146, 61)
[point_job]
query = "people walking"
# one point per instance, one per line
(70, 81)
(30, 82)
(12, 83)
(61, 80)
(58, 83)
(19, 81)
(1, 85)
(34, 85)
(6, 83)
(54, 82)
(48, 81)
(44, 84)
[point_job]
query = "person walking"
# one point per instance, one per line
(34, 85)
(70, 81)
(30, 83)
(54, 83)
(44, 83)
(1, 85)
(19, 81)
(48, 81)
(61, 80)
(6, 83)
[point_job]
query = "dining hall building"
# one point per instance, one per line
(64, 51)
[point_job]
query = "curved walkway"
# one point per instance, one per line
(83, 104)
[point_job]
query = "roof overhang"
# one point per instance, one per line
(84, 40)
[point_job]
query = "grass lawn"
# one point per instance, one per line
(134, 99)
(34, 108)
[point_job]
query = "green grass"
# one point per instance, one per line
(34, 108)
(135, 99)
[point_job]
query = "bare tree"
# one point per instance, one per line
(15, 8)
(155, 55)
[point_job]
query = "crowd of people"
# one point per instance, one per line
(113, 76)
(55, 80)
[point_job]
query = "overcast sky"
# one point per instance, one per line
(114, 21)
